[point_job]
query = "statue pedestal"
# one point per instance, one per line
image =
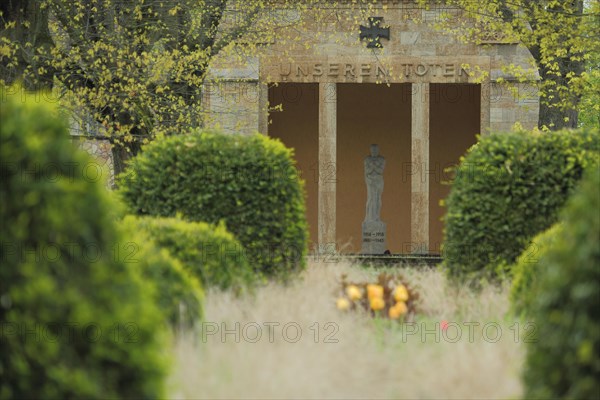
(373, 237)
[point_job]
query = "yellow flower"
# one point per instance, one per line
(353, 292)
(377, 303)
(374, 291)
(401, 294)
(342, 304)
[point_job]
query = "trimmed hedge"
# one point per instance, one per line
(249, 182)
(564, 361)
(179, 293)
(78, 320)
(207, 252)
(508, 188)
(527, 269)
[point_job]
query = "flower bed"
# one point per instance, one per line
(390, 297)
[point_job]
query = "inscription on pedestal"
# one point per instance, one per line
(373, 237)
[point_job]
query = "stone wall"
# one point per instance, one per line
(232, 104)
(513, 103)
(101, 168)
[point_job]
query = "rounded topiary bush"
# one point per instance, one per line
(78, 320)
(208, 252)
(527, 269)
(564, 361)
(178, 292)
(249, 182)
(508, 188)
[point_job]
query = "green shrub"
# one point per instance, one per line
(179, 293)
(564, 361)
(507, 189)
(208, 252)
(250, 182)
(527, 269)
(77, 319)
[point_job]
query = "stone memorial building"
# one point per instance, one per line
(392, 80)
(388, 78)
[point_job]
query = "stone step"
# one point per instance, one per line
(392, 259)
(414, 260)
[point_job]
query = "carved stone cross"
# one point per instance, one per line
(374, 32)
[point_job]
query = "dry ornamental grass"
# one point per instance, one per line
(292, 342)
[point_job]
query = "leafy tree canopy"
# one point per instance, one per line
(136, 66)
(561, 35)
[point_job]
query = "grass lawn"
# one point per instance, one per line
(309, 349)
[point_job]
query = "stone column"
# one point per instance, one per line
(484, 124)
(263, 108)
(420, 163)
(327, 164)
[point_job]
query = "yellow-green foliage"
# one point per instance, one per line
(78, 320)
(209, 253)
(178, 292)
(561, 36)
(508, 188)
(564, 361)
(138, 67)
(249, 182)
(527, 269)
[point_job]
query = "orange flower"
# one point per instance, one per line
(374, 291)
(377, 303)
(394, 313)
(398, 310)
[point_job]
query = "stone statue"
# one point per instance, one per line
(374, 165)
(373, 228)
